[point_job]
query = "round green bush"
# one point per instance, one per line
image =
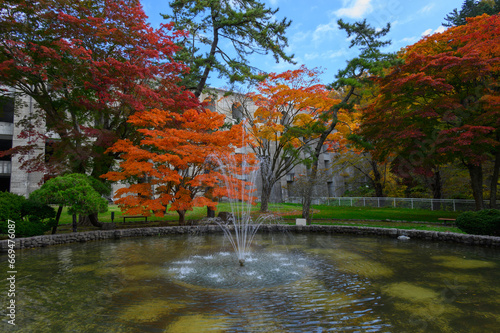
(483, 222)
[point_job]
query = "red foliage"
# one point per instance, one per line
(89, 65)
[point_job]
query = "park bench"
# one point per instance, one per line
(134, 217)
(447, 220)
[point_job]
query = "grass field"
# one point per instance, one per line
(356, 216)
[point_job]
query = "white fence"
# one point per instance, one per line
(413, 203)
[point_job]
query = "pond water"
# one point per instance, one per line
(290, 283)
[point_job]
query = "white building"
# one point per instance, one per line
(12, 177)
(16, 180)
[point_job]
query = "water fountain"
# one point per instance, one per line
(286, 283)
(290, 283)
(240, 173)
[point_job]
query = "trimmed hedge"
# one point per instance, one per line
(483, 222)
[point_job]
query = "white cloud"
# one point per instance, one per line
(274, 2)
(355, 9)
(311, 56)
(407, 40)
(440, 29)
(426, 9)
(323, 30)
(430, 31)
(427, 32)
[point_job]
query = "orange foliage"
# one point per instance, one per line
(173, 164)
(289, 99)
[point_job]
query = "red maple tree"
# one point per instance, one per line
(444, 101)
(88, 65)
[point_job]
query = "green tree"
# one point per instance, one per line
(247, 25)
(471, 8)
(355, 77)
(74, 191)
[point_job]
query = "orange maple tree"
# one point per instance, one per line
(287, 120)
(173, 163)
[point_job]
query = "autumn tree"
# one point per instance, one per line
(443, 101)
(175, 154)
(282, 112)
(355, 152)
(356, 75)
(88, 65)
(247, 25)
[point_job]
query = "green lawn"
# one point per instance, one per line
(369, 213)
(356, 216)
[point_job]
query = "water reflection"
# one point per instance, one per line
(294, 283)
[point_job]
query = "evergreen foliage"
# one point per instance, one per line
(471, 8)
(247, 25)
(483, 222)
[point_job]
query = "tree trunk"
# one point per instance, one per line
(264, 198)
(74, 222)
(182, 215)
(306, 206)
(94, 220)
(210, 212)
(476, 180)
(58, 216)
(436, 187)
(377, 180)
(494, 181)
(89, 220)
(268, 181)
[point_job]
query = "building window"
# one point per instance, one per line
(331, 189)
(5, 145)
(6, 109)
(4, 183)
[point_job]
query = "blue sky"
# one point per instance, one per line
(314, 36)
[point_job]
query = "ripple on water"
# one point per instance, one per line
(220, 271)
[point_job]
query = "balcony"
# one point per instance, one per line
(5, 167)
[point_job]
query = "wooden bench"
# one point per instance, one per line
(134, 217)
(447, 220)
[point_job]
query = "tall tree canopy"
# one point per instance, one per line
(471, 8)
(248, 25)
(88, 65)
(442, 104)
(173, 162)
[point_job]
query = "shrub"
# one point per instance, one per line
(31, 218)
(10, 206)
(483, 222)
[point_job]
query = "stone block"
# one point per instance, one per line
(300, 222)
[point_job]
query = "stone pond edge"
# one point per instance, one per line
(80, 237)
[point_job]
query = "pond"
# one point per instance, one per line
(290, 283)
